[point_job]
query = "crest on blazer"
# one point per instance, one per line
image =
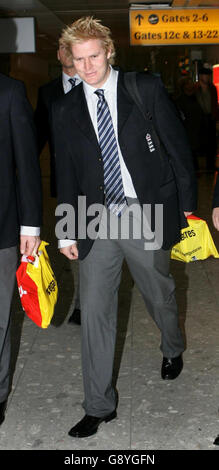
(149, 142)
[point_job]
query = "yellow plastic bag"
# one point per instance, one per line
(196, 242)
(37, 286)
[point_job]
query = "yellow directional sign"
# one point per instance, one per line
(174, 26)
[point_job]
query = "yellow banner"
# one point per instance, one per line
(174, 26)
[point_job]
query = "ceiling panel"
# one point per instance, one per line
(85, 4)
(52, 15)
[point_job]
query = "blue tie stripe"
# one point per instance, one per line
(114, 168)
(110, 168)
(105, 128)
(109, 156)
(109, 145)
(114, 192)
(106, 133)
(114, 185)
(106, 140)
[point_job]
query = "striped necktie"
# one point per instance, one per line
(72, 81)
(114, 191)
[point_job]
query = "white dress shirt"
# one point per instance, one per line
(110, 93)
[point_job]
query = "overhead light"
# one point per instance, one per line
(146, 6)
(151, 2)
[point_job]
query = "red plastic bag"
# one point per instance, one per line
(37, 287)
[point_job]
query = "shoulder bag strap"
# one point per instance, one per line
(132, 88)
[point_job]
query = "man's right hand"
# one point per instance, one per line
(29, 245)
(71, 251)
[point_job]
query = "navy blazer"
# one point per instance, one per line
(47, 94)
(164, 176)
(20, 186)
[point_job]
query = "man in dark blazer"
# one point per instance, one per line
(47, 95)
(206, 94)
(109, 155)
(20, 213)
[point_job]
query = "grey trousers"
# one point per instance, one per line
(77, 296)
(8, 266)
(100, 274)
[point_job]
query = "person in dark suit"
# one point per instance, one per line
(206, 94)
(191, 114)
(20, 213)
(107, 155)
(47, 95)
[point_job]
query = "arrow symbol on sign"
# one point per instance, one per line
(139, 18)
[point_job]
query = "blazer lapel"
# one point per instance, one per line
(80, 113)
(124, 103)
(61, 91)
(57, 90)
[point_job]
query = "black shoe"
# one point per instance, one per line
(75, 317)
(171, 367)
(89, 425)
(216, 442)
(3, 405)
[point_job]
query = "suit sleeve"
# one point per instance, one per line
(41, 119)
(175, 141)
(66, 180)
(28, 176)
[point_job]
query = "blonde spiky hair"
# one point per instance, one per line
(86, 28)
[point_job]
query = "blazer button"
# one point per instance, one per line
(100, 159)
(101, 188)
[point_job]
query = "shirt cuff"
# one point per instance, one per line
(30, 231)
(63, 243)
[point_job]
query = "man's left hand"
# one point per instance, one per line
(29, 244)
(187, 213)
